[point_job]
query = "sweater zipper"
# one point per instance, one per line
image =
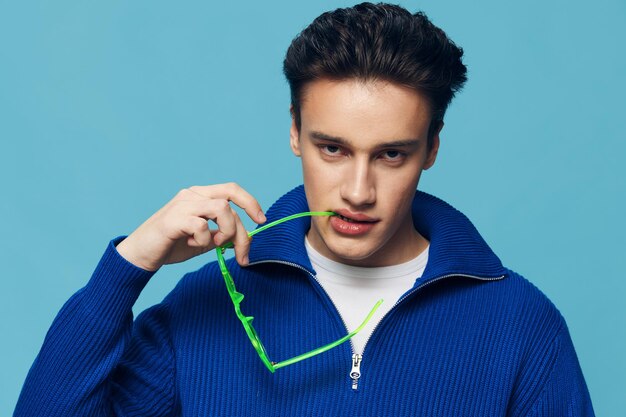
(357, 358)
(355, 372)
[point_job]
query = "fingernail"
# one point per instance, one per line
(246, 261)
(261, 217)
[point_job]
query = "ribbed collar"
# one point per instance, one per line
(456, 247)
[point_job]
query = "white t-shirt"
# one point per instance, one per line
(354, 290)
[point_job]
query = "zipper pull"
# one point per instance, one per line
(355, 372)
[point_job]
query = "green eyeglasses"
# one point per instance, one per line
(237, 297)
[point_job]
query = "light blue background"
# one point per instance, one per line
(107, 109)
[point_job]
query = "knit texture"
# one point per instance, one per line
(471, 338)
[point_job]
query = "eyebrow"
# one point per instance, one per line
(399, 143)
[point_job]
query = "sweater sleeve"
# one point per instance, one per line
(93, 361)
(556, 386)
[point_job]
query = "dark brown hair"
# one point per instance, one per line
(377, 41)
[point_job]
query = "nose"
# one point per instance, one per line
(357, 187)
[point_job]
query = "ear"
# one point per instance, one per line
(432, 152)
(294, 137)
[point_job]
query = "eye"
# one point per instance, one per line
(393, 155)
(330, 149)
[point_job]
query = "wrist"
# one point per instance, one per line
(125, 250)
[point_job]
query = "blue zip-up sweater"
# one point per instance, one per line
(471, 338)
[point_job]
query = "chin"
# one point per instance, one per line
(350, 251)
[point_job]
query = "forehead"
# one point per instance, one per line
(364, 112)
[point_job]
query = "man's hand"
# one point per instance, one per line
(179, 230)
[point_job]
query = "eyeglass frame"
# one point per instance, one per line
(246, 321)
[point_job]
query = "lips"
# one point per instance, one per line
(352, 224)
(349, 216)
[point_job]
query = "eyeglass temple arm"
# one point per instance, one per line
(284, 219)
(330, 345)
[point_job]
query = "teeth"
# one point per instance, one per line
(346, 219)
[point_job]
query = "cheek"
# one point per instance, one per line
(311, 173)
(396, 192)
(318, 183)
(398, 184)
(317, 172)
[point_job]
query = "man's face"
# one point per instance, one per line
(363, 147)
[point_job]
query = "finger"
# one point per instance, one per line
(241, 242)
(222, 214)
(197, 230)
(218, 211)
(187, 194)
(235, 193)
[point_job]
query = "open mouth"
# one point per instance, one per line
(359, 218)
(347, 219)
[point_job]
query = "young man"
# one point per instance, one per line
(457, 334)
